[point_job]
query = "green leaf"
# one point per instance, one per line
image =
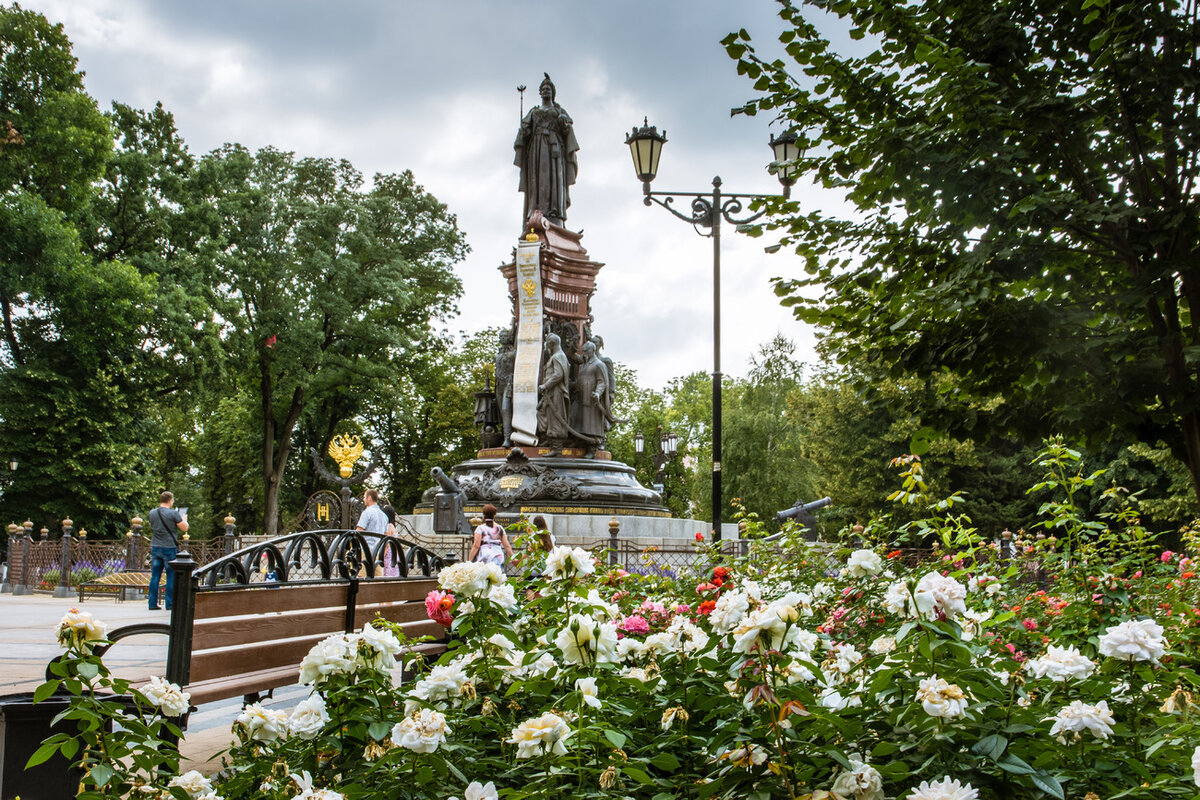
(378, 730)
(991, 746)
(638, 775)
(1048, 784)
(665, 762)
(617, 739)
(88, 670)
(102, 774)
(1015, 765)
(45, 690)
(42, 754)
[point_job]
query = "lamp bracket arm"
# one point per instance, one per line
(701, 206)
(733, 206)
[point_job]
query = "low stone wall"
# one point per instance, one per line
(652, 530)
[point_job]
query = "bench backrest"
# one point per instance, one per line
(252, 628)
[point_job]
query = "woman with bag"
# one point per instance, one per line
(491, 543)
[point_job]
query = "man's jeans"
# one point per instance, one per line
(160, 557)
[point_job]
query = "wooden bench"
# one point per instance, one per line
(231, 637)
(244, 641)
(120, 583)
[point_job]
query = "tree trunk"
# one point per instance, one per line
(1191, 439)
(275, 456)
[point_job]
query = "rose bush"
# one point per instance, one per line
(795, 671)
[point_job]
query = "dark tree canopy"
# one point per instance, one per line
(1024, 172)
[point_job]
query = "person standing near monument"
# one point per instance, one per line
(491, 543)
(372, 519)
(554, 396)
(164, 521)
(546, 149)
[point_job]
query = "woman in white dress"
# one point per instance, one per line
(491, 543)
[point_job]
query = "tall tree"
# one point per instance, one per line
(72, 325)
(764, 436)
(1025, 173)
(318, 280)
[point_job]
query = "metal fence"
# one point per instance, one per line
(37, 563)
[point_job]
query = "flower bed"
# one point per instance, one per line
(765, 677)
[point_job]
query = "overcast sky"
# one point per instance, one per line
(431, 87)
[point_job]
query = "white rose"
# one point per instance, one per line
(503, 596)
(544, 735)
(971, 623)
(940, 596)
(587, 688)
(465, 579)
(883, 644)
(262, 724)
(334, 655)
(444, 682)
(308, 718)
(941, 699)
(479, 791)
(1060, 663)
(422, 731)
(195, 784)
(171, 699)
(898, 600)
(77, 629)
(945, 789)
(308, 792)
(1196, 766)
(802, 641)
(1079, 716)
(567, 562)
(863, 563)
(584, 639)
(861, 782)
(847, 658)
(728, 611)
(1135, 640)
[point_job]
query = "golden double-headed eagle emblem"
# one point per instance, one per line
(345, 450)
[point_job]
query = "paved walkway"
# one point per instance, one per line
(27, 644)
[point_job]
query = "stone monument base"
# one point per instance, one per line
(562, 485)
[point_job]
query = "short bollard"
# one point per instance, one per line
(64, 565)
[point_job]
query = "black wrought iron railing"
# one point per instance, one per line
(307, 556)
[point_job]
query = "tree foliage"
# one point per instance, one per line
(1024, 174)
(319, 282)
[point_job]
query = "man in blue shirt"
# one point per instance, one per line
(372, 519)
(164, 521)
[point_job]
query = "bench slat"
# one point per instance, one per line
(394, 612)
(268, 598)
(230, 631)
(216, 663)
(263, 680)
(389, 591)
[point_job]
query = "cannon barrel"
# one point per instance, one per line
(800, 508)
(445, 481)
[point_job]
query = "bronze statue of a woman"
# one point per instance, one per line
(546, 149)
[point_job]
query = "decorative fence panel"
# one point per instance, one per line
(36, 564)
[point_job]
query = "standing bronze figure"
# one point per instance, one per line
(546, 149)
(554, 395)
(594, 399)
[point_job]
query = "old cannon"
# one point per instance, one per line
(448, 514)
(801, 509)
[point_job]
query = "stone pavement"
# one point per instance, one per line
(27, 644)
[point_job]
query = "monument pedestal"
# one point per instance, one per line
(561, 485)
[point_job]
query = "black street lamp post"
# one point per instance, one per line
(667, 444)
(645, 144)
